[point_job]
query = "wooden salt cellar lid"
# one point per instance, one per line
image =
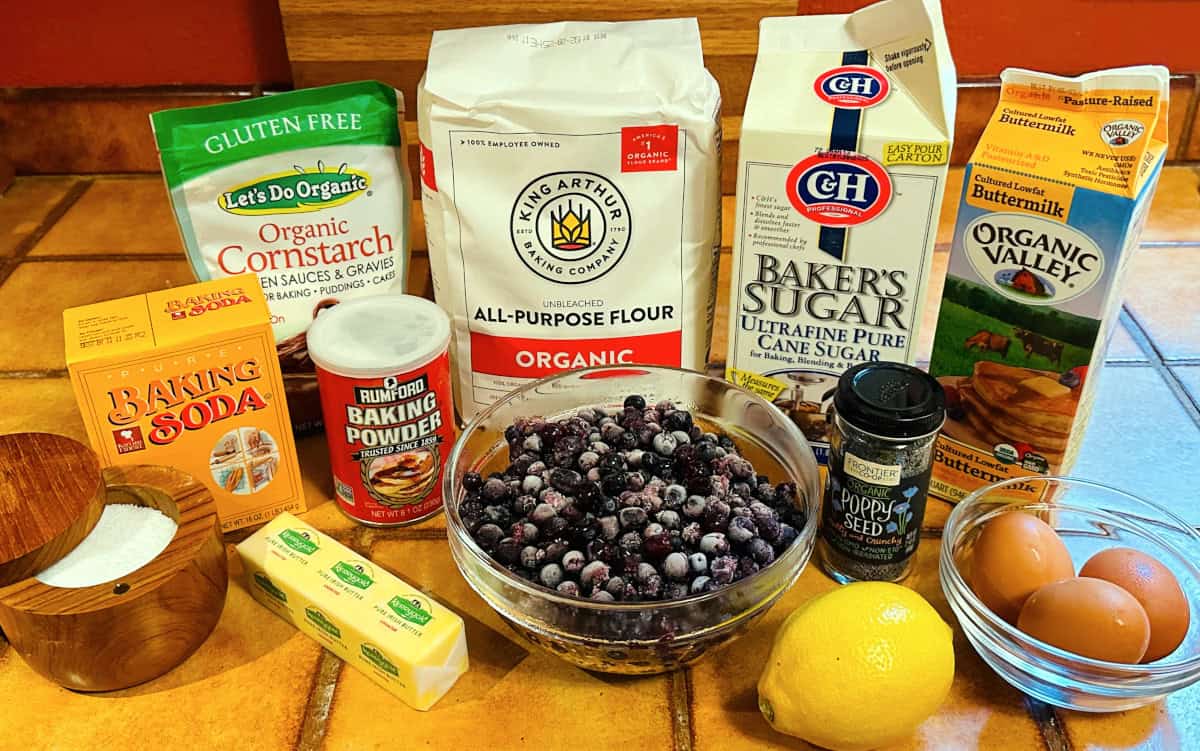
(51, 495)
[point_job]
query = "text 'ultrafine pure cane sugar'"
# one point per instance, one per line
(842, 165)
(570, 182)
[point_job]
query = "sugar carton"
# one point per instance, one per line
(843, 156)
(1053, 202)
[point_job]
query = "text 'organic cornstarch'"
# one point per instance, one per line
(308, 190)
(844, 150)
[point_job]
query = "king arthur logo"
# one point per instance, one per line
(569, 230)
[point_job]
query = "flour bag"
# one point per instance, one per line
(570, 182)
(308, 190)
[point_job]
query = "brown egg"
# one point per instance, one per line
(1015, 555)
(1090, 617)
(1154, 586)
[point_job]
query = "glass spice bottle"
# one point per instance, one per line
(886, 417)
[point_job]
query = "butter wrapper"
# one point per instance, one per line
(389, 630)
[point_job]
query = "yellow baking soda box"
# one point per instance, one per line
(1054, 200)
(844, 150)
(188, 378)
(398, 636)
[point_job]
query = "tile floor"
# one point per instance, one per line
(256, 683)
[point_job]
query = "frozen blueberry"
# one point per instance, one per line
(532, 443)
(555, 528)
(632, 516)
(635, 401)
(571, 513)
(542, 513)
(501, 516)
(700, 584)
(741, 529)
(630, 542)
(658, 546)
(761, 551)
(691, 533)
(569, 588)
(635, 481)
(565, 480)
(675, 566)
(651, 588)
(746, 567)
(652, 529)
(588, 459)
(675, 590)
(524, 532)
(472, 482)
(531, 484)
(678, 420)
(602, 595)
(668, 518)
(680, 437)
(615, 586)
(488, 535)
(609, 527)
(508, 550)
(714, 544)
(594, 574)
(573, 561)
(644, 572)
(532, 556)
(694, 506)
(665, 443)
(723, 569)
(716, 515)
(698, 563)
(551, 575)
(555, 551)
(787, 535)
(674, 494)
(494, 489)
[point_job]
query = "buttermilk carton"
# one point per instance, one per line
(844, 150)
(1053, 202)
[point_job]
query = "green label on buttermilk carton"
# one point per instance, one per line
(300, 540)
(410, 610)
(357, 574)
(268, 586)
(318, 619)
(377, 658)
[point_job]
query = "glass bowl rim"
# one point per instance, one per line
(806, 535)
(983, 616)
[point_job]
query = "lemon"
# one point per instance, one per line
(858, 667)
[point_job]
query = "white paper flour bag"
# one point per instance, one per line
(570, 184)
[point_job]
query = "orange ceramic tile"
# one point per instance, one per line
(1170, 724)
(25, 205)
(1141, 439)
(513, 696)
(1160, 292)
(420, 282)
(981, 711)
(937, 511)
(246, 687)
(45, 405)
(34, 295)
(1183, 93)
(1175, 211)
(59, 131)
(720, 334)
(728, 212)
(116, 216)
(975, 105)
(945, 233)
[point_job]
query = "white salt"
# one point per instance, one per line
(126, 538)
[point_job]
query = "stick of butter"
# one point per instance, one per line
(398, 636)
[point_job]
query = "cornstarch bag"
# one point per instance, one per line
(308, 190)
(570, 181)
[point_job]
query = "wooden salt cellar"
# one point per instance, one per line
(124, 632)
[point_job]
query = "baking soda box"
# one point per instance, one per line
(844, 149)
(1053, 203)
(188, 378)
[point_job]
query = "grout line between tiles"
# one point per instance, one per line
(119, 257)
(311, 735)
(683, 731)
(1049, 723)
(1170, 244)
(56, 373)
(1143, 339)
(27, 244)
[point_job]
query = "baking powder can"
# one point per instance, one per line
(383, 371)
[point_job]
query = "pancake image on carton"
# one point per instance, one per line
(402, 479)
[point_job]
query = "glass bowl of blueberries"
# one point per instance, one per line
(630, 519)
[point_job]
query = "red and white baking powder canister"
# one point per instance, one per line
(384, 376)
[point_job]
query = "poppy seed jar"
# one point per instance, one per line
(886, 417)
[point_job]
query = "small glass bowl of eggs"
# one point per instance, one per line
(1076, 593)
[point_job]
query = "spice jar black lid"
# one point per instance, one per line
(891, 399)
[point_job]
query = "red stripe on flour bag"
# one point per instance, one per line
(534, 358)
